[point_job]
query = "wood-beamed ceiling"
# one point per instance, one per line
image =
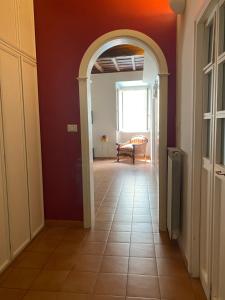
(122, 58)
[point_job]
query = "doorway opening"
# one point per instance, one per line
(158, 70)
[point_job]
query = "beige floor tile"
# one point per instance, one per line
(11, 294)
(119, 237)
(142, 250)
(75, 235)
(141, 219)
(68, 247)
(161, 238)
(93, 248)
(143, 286)
(142, 227)
(111, 284)
(19, 278)
(139, 298)
(61, 261)
(143, 266)
(31, 260)
(88, 263)
(198, 290)
(72, 296)
(167, 251)
(171, 267)
(43, 245)
(53, 233)
(124, 227)
(114, 264)
(107, 297)
(80, 282)
(176, 288)
(37, 295)
(49, 280)
(117, 249)
(97, 236)
(142, 237)
(103, 226)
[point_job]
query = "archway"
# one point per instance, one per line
(100, 45)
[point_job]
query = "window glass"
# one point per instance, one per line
(222, 150)
(221, 87)
(207, 138)
(210, 42)
(222, 29)
(133, 110)
(208, 92)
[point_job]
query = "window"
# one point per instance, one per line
(133, 110)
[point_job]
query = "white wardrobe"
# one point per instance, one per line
(21, 195)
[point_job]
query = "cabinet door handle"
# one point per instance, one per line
(220, 173)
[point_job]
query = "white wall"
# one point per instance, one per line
(185, 74)
(103, 93)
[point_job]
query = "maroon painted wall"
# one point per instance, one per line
(64, 30)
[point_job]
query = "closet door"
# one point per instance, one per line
(4, 228)
(32, 129)
(14, 145)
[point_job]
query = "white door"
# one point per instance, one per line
(14, 145)
(218, 257)
(207, 157)
(212, 242)
(33, 143)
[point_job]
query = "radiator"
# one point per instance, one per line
(174, 192)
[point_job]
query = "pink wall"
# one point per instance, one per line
(64, 30)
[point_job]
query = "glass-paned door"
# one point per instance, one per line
(217, 142)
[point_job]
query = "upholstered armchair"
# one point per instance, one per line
(136, 146)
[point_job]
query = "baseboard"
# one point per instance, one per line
(63, 223)
(104, 158)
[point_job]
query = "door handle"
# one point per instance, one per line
(220, 173)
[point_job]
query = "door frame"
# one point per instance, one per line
(100, 45)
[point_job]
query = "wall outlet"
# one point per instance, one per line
(72, 128)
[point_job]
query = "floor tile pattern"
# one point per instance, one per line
(123, 257)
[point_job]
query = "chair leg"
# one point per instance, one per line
(133, 156)
(118, 156)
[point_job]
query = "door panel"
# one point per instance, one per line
(32, 129)
(205, 221)
(15, 154)
(26, 27)
(218, 264)
(4, 225)
(8, 22)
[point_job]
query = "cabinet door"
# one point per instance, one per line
(32, 129)
(15, 154)
(26, 27)
(8, 22)
(4, 228)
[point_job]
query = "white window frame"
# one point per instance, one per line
(119, 90)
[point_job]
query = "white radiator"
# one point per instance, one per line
(174, 192)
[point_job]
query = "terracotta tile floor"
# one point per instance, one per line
(124, 257)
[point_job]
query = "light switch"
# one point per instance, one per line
(71, 127)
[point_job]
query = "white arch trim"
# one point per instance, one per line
(100, 45)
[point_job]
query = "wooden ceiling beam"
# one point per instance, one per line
(115, 64)
(98, 67)
(133, 63)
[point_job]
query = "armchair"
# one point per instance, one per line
(134, 147)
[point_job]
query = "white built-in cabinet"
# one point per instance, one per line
(21, 196)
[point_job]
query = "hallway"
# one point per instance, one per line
(123, 257)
